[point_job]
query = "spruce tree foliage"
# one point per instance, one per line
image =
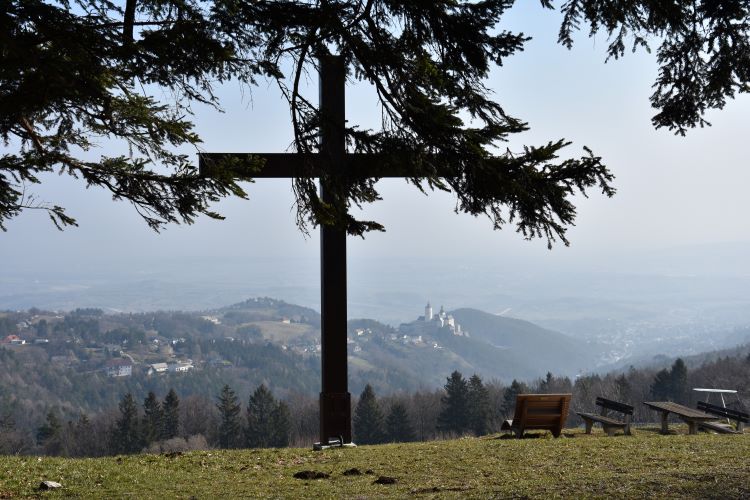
(454, 414)
(71, 76)
(230, 428)
(661, 387)
(398, 425)
(679, 382)
(672, 384)
(7, 418)
(86, 443)
(49, 434)
(282, 425)
(170, 416)
(368, 418)
(546, 383)
(151, 424)
(703, 49)
(126, 436)
(479, 406)
(268, 421)
(509, 398)
(622, 389)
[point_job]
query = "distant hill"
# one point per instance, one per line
(268, 309)
(531, 345)
(261, 340)
(498, 347)
(660, 361)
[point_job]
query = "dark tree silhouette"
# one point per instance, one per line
(267, 420)
(454, 414)
(151, 424)
(679, 381)
(661, 388)
(72, 75)
(170, 420)
(126, 438)
(703, 49)
(478, 406)
(509, 398)
(76, 74)
(230, 427)
(86, 441)
(49, 435)
(282, 426)
(398, 425)
(368, 418)
(671, 384)
(622, 388)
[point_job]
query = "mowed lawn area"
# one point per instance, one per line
(644, 465)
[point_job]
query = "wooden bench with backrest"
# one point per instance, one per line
(609, 424)
(539, 412)
(740, 417)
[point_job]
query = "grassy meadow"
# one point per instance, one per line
(574, 466)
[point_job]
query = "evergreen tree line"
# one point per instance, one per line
(465, 408)
(462, 407)
(155, 426)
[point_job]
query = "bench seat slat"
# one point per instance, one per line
(602, 419)
(717, 427)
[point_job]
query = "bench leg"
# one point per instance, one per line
(664, 422)
(692, 427)
(627, 426)
(740, 426)
(609, 430)
(589, 425)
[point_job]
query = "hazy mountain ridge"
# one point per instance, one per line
(387, 357)
(526, 341)
(658, 361)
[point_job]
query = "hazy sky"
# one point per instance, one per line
(671, 190)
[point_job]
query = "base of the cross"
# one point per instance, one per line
(334, 443)
(335, 418)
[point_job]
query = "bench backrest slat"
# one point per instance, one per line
(740, 416)
(541, 410)
(614, 405)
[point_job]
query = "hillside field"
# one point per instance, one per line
(575, 466)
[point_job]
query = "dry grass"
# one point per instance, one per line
(575, 466)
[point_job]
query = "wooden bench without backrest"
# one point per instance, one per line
(693, 418)
(740, 417)
(539, 412)
(608, 423)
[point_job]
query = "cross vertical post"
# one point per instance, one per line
(335, 400)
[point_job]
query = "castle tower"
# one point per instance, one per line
(428, 312)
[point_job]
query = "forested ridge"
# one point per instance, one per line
(61, 391)
(172, 421)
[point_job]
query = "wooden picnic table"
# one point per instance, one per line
(688, 415)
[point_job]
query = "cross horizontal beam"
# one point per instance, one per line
(289, 165)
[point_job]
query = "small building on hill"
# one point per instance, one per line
(118, 367)
(157, 368)
(181, 366)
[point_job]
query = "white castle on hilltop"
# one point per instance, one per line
(442, 319)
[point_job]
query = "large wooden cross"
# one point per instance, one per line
(335, 400)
